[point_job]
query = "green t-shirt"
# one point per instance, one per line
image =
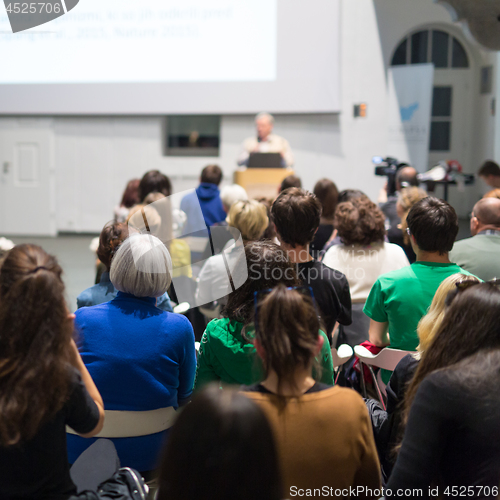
(402, 297)
(228, 357)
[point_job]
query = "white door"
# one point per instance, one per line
(452, 117)
(27, 182)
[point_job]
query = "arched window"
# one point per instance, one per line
(434, 46)
(447, 54)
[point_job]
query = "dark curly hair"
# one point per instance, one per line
(359, 222)
(112, 236)
(267, 266)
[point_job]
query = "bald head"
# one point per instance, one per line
(486, 215)
(406, 177)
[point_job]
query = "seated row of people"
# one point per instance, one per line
(399, 299)
(143, 359)
(227, 352)
(322, 433)
(387, 424)
(451, 407)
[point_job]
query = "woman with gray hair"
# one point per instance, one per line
(141, 358)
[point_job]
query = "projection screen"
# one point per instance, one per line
(127, 57)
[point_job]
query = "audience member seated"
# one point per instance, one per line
(290, 181)
(363, 256)
(154, 182)
(345, 195)
(207, 197)
(387, 424)
(490, 174)
(349, 195)
(214, 437)
(323, 433)
(112, 236)
(129, 199)
(296, 214)
(327, 193)
(176, 219)
(250, 220)
(400, 298)
(480, 255)
(227, 354)
(228, 195)
(231, 194)
(452, 406)
(270, 232)
(405, 177)
(44, 384)
(141, 358)
(407, 197)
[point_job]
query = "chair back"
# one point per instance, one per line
(119, 424)
(387, 358)
(341, 355)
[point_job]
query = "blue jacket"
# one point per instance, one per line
(140, 358)
(207, 197)
(104, 291)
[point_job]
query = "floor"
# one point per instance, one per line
(78, 262)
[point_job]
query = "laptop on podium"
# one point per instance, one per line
(265, 160)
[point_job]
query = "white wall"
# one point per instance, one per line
(396, 19)
(96, 156)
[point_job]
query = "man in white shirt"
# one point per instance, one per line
(266, 142)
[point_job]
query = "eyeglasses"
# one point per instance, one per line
(467, 283)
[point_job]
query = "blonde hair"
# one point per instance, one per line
(431, 322)
(152, 197)
(407, 197)
(250, 218)
(153, 218)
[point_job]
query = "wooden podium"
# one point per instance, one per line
(261, 182)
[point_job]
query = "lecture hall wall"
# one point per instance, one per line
(93, 157)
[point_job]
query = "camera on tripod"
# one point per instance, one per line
(388, 167)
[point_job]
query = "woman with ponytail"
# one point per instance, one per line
(227, 355)
(323, 433)
(44, 384)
